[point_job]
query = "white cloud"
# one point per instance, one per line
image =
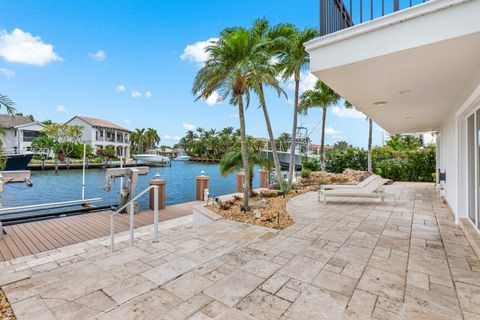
(343, 112)
(213, 99)
(120, 88)
(7, 73)
(60, 108)
(233, 116)
(148, 94)
(307, 82)
(127, 121)
(188, 126)
(136, 94)
(196, 52)
(22, 47)
(332, 131)
(171, 138)
(100, 55)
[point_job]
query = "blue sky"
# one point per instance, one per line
(133, 63)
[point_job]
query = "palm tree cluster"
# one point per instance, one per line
(247, 60)
(209, 144)
(142, 140)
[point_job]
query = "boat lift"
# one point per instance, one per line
(129, 178)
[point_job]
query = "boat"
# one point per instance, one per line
(182, 158)
(301, 146)
(152, 158)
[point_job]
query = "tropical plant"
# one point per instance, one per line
(44, 142)
(109, 152)
(283, 141)
(235, 60)
(291, 61)
(151, 138)
(137, 141)
(64, 137)
(274, 40)
(8, 104)
(404, 142)
(233, 161)
(322, 96)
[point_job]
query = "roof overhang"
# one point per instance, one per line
(418, 61)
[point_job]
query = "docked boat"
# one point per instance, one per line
(152, 158)
(182, 158)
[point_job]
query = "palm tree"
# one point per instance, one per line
(322, 96)
(234, 60)
(232, 162)
(274, 39)
(137, 139)
(151, 138)
(8, 104)
(348, 105)
(291, 62)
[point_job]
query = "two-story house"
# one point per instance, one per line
(100, 133)
(20, 131)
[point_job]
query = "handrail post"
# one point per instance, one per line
(112, 232)
(155, 214)
(132, 222)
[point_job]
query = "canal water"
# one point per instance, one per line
(67, 185)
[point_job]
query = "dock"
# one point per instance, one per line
(34, 237)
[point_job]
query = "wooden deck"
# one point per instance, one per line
(34, 237)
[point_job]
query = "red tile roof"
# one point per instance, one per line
(100, 123)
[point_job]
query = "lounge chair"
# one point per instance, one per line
(374, 189)
(361, 184)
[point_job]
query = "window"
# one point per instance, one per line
(29, 135)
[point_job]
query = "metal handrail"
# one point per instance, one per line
(131, 203)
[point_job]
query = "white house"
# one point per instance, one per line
(414, 70)
(100, 133)
(20, 131)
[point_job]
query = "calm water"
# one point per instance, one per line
(67, 185)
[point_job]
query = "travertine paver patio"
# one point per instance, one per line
(354, 259)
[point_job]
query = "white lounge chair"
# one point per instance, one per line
(372, 190)
(361, 184)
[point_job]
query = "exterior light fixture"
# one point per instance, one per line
(202, 173)
(405, 91)
(157, 176)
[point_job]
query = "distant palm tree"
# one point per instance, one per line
(137, 139)
(291, 61)
(348, 105)
(151, 138)
(322, 96)
(233, 61)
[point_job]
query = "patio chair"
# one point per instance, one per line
(359, 185)
(372, 190)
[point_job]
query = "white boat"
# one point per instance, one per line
(182, 158)
(152, 158)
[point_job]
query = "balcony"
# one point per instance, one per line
(406, 70)
(336, 15)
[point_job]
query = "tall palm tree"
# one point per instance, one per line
(137, 139)
(233, 61)
(322, 96)
(291, 62)
(151, 138)
(348, 105)
(274, 40)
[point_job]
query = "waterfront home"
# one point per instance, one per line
(100, 133)
(414, 70)
(20, 131)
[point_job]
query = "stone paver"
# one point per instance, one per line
(353, 259)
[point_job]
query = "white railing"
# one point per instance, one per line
(131, 212)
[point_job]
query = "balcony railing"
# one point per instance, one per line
(336, 15)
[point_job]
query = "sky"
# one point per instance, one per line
(133, 63)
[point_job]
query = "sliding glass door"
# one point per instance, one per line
(472, 167)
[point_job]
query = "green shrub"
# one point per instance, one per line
(311, 164)
(337, 160)
(306, 173)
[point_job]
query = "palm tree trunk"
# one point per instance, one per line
(369, 161)
(322, 144)
(276, 161)
(244, 149)
(291, 166)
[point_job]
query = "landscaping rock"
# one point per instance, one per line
(349, 176)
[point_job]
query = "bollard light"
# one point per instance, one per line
(157, 176)
(202, 173)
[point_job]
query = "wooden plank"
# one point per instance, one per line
(30, 229)
(31, 246)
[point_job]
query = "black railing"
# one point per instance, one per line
(336, 15)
